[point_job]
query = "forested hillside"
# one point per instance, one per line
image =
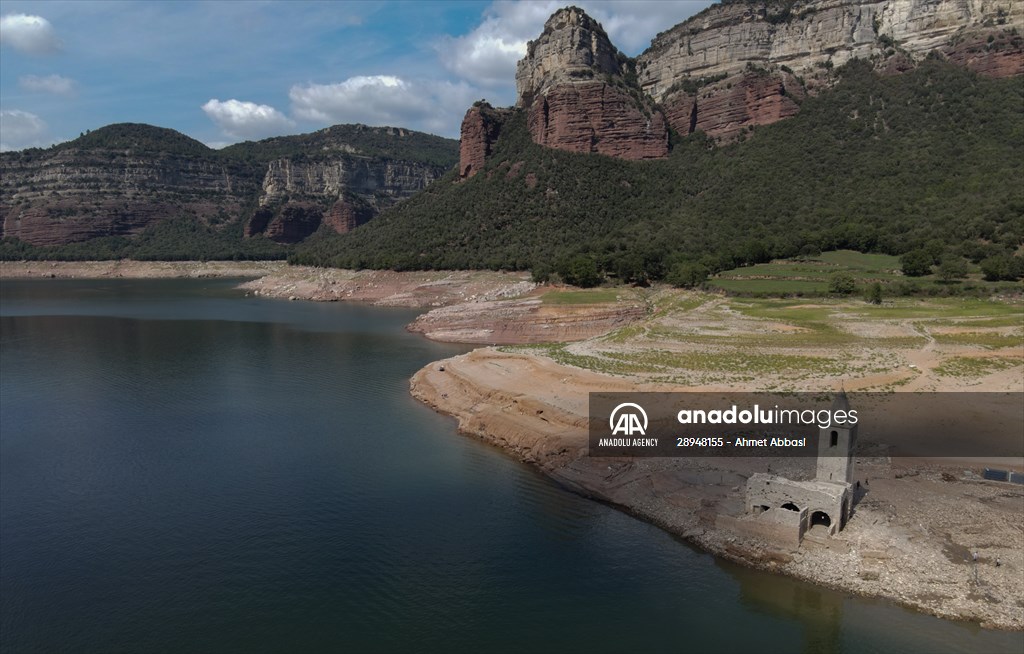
(934, 157)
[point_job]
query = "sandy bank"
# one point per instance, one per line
(389, 288)
(136, 269)
(526, 320)
(909, 540)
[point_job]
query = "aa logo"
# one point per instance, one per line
(628, 419)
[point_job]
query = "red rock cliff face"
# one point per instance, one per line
(581, 93)
(346, 215)
(599, 118)
(991, 53)
(480, 130)
(725, 109)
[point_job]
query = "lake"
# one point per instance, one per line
(187, 469)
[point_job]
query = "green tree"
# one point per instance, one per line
(842, 283)
(916, 263)
(952, 268)
(541, 273)
(999, 267)
(581, 271)
(687, 275)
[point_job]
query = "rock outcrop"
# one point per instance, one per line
(121, 179)
(295, 194)
(581, 93)
(73, 194)
(805, 36)
(754, 61)
(726, 108)
(480, 130)
(731, 67)
(994, 53)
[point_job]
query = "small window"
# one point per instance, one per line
(833, 439)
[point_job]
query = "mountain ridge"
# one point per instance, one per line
(122, 178)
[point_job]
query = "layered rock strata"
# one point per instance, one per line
(580, 93)
(120, 180)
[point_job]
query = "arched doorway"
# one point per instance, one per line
(821, 518)
(789, 506)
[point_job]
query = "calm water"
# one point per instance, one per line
(183, 469)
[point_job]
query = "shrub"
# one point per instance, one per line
(687, 275)
(842, 283)
(952, 268)
(916, 263)
(875, 294)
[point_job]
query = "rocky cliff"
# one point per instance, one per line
(804, 36)
(342, 193)
(581, 93)
(121, 179)
(753, 61)
(480, 130)
(733, 66)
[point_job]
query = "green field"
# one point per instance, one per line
(810, 276)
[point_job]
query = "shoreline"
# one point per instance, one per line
(505, 399)
(130, 269)
(534, 408)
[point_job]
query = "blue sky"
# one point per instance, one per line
(227, 71)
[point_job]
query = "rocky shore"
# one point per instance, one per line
(911, 540)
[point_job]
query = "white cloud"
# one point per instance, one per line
(50, 84)
(30, 34)
(247, 120)
(488, 54)
(21, 129)
(431, 106)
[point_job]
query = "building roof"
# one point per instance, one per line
(840, 401)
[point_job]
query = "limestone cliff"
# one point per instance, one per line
(119, 180)
(581, 94)
(76, 194)
(806, 35)
(753, 61)
(343, 193)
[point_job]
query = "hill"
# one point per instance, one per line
(878, 163)
(91, 196)
(381, 142)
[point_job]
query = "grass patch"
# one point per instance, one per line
(853, 260)
(770, 286)
(811, 276)
(990, 341)
(941, 308)
(728, 362)
(973, 366)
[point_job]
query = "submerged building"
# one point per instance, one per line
(788, 509)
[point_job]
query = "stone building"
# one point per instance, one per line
(786, 509)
